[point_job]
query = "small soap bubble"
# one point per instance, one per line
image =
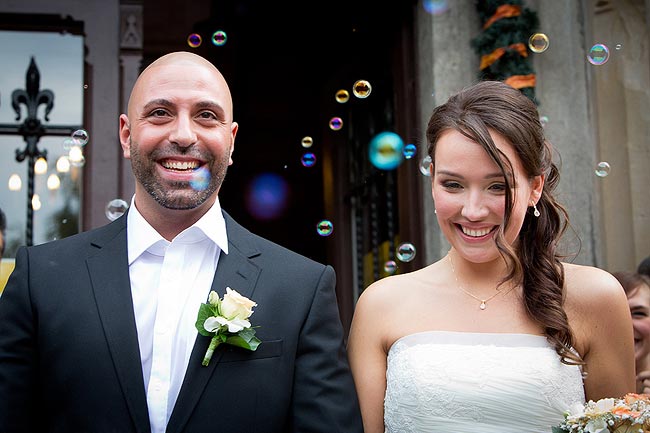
(538, 43)
(405, 252)
(390, 267)
(386, 150)
(543, 120)
(308, 159)
(410, 150)
(80, 137)
(200, 179)
(361, 89)
(602, 169)
(194, 40)
(324, 228)
(219, 38)
(85, 86)
(425, 166)
(598, 54)
(435, 7)
(619, 47)
(307, 141)
(336, 123)
(116, 208)
(342, 96)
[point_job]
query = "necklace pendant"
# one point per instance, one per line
(483, 305)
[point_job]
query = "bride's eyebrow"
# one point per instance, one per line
(496, 175)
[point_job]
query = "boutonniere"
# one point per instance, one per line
(226, 321)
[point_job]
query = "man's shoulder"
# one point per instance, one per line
(98, 235)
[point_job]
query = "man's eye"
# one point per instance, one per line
(158, 113)
(207, 115)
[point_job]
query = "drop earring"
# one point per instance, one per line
(536, 211)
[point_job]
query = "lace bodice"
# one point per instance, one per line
(477, 383)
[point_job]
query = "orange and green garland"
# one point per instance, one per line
(503, 44)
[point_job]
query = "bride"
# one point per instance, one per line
(499, 335)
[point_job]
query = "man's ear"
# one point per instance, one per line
(234, 127)
(125, 136)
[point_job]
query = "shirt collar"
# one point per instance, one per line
(142, 236)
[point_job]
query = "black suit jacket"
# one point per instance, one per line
(70, 362)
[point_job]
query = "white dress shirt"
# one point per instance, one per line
(169, 281)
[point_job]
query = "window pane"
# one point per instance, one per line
(59, 59)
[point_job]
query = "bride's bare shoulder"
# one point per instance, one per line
(404, 285)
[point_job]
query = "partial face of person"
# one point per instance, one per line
(639, 304)
(469, 189)
(179, 132)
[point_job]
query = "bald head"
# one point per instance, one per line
(180, 60)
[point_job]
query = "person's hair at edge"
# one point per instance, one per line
(535, 261)
(644, 266)
(3, 230)
(631, 281)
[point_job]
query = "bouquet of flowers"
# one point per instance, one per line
(226, 321)
(630, 414)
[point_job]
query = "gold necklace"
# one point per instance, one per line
(483, 302)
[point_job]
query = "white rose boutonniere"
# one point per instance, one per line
(226, 321)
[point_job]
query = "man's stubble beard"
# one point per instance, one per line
(176, 195)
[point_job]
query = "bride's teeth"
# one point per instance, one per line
(475, 233)
(178, 165)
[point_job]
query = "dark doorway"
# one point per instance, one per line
(284, 65)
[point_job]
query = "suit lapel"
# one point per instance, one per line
(234, 270)
(109, 274)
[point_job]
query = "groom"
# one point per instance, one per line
(97, 331)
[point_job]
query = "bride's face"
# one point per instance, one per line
(469, 192)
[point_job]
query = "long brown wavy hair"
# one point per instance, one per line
(534, 260)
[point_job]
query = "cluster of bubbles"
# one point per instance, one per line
(74, 146)
(405, 252)
(598, 54)
(218, 38)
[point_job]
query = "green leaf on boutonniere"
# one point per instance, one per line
(245, 338)
(205, 311)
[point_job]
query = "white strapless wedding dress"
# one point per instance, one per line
(457, 382)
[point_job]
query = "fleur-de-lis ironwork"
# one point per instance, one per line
(32, 129)
(32, 97)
